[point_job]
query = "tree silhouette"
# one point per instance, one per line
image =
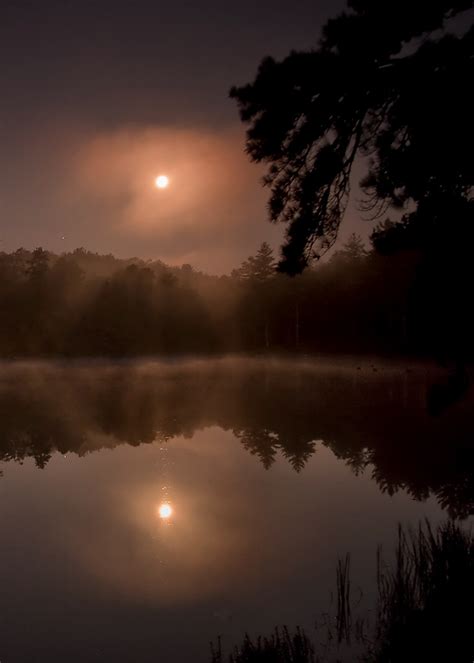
(353, 249)
(260, 267)
(258, 273)
(38, 265)
(373, 89)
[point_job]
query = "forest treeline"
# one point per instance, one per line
(84, 304)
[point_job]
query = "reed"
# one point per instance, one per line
(424, 609)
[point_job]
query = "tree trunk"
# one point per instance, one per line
(297, 325)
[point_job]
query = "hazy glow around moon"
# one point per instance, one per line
(165, 511)
(162, 182)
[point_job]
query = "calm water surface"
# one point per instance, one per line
(271, 470)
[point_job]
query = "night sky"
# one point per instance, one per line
(101, 96)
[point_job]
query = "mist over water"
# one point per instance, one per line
(224, 440)
(272, 469)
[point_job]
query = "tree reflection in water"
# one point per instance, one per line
(374, 421)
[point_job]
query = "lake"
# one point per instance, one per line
(148, 507)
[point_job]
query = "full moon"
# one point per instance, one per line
(165, 511)
(162, 182)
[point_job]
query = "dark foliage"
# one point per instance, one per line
(424, 612)
(425, 600)
(389, 83)
(82, 304)
(280, 647)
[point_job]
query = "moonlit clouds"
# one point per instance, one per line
(70, 187)
(85, 81)
(214, 213)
